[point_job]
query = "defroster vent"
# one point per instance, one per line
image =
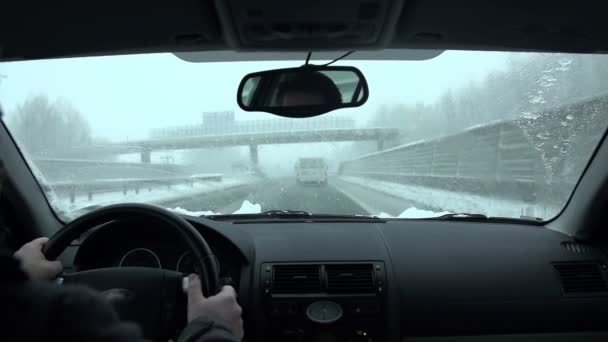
(582, 277)
(296, 279)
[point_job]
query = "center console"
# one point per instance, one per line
(327, 302)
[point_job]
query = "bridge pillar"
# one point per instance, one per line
(253, 154)
(145, 156)
(380, 144)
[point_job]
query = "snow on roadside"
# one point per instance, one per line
(414, 212)
(249, 208)
(446, 200)
(183, 211)
(246, 208)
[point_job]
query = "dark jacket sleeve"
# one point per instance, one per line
(39, 311)
(203, 329)
(47, 312)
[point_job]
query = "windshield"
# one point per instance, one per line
(493, 133)
(311, 163)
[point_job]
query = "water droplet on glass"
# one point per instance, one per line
(542, 136)
(530, 115)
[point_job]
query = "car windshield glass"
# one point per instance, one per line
(312, 163)
(492, 133)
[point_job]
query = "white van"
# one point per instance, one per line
(311, 170)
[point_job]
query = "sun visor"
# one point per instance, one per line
(308, 25)
(235, 56)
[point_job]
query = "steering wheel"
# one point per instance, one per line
(154, 298)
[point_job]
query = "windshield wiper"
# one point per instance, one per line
(299, 215)
(285, 213)
(482, 218)
(463, 216)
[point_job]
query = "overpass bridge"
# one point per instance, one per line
(254, 139)
(251, 139)
(220, 129)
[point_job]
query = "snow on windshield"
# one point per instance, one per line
(499, 134)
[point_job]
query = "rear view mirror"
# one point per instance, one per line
(302, 92)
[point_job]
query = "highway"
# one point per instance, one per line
(337, 197)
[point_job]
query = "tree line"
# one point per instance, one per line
(45, 127)
(529, 84)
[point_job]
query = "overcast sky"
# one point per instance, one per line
(123, 97)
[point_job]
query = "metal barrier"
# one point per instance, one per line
(534, 159)
(56, 169)
(73, 188)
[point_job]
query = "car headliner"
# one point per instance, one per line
(64, 28)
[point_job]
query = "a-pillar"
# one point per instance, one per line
(253, 154)
(145, 155)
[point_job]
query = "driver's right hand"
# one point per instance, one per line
(223, 306)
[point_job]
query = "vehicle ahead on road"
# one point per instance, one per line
(498, 148)
(311, 171)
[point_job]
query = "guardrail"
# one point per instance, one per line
(89, 188)
(59, 169)
(534, 159)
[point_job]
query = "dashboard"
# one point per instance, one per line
(401, 280)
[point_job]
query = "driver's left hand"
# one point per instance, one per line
(34, 263)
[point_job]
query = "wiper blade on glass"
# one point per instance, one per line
(285, 213)
(462, 216)
(291, 214)
(265, 214)
(483, 218)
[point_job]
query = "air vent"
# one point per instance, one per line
(350, 278)
(576, 247)
(581, 278)
(296, 279)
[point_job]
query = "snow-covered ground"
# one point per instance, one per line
(246, 208)
(157, 195)
(442, 201)
(413, 212)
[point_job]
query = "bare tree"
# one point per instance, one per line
(42, 127)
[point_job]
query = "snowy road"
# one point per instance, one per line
(342, 195)
(345, 195)
(337, 197)
(352, 196)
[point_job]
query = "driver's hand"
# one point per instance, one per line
(34, 263)
(222, 306)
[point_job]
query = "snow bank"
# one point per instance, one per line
(249, 208)
(414, 212)
(451, 201)
(183, 211)
(246, 208)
